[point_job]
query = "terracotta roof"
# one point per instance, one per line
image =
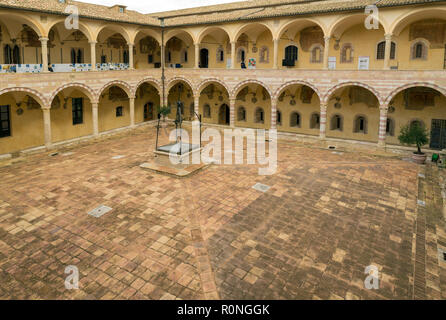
(245, 10)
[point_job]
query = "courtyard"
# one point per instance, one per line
(326, 217)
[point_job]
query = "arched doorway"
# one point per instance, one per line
(224, 114)
(204, 58)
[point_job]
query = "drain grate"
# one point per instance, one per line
(261, 187)
(100, 211)
(421, 203)
(442, 255)
(67, 154)
(422, 176)
(338, 153)
(118, 157)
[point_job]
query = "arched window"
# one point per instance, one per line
(184, 56)
(220, 55)
(241, 54)
(315, 121)
(79, 58)
(8, 54)
(259, 115)
(295, 120)
(264, 55)
(416, 122)
(390, 127)
(347, 53)
(279, 118)
(291, 53)
(317, 54)
(361, 124)
(419, 50)
(381, 50)
(16, 55)
(241, 114)
(336, 123)
(207, 111)
(73, 56)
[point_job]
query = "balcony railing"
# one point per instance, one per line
(78, 67)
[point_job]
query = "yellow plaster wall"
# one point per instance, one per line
(62, 127)
(140, 101)
(305, 110)
(26, 129)
(107, 113)
(349, 113)
(250, 108)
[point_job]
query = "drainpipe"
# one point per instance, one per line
(163, 79)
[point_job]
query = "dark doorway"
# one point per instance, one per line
(204, 58)
(438, 134)
(148, 111)
(224, 114)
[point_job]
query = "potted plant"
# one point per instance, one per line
(164, 111)
(415, 134)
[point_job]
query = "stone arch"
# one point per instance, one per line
(207, 82)
(83, 27)
(37, 27)
(150, 80)
(302, 24)
(330, 92)
(44, 103)
(146, 32)
(175, 32)
(123, 85)
(415, 15)
(345, 22)
(298, 82)
(240, 85)
(246, 26)
(172, 82)
(117, 28)
(395, 92)
(82, 87)
(206, 31)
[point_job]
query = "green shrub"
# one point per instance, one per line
(414, 135)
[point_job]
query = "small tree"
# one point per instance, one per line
(414, 134)
(164, 111)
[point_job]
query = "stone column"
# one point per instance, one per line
(44, 42)
(387, 52)
(47, 126)
(273, 113)
(276, 54)
(197, 105)
(163, 56)
(132, 111)
(233, 57)
(94, 113)
(323, 121)
(131, 65)
(326, 52)
(382, 127)
(232, 112)
(93, 55)
(197, 55)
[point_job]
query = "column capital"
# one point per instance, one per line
(276, 40)
(45, 108)
(43, 40)
(131, 44)
(94, 104)
(327, 38)
(132, 98)
(92, 42)
(388, 36)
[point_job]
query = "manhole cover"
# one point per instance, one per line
(100, 211)
(66, 154)
(421, 203)
(422, 176)
(338, 153)
(261, 187)
(118, 157)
